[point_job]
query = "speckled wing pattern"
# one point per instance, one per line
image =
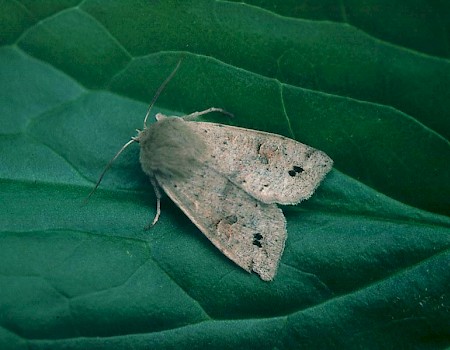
(231, 194)
(272, 168)
(249, 232)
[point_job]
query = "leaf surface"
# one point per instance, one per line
(366, 261)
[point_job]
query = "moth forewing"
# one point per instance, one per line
(270, 167)
(247, 231)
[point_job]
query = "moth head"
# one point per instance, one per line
(140, 133)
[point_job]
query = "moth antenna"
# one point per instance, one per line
(109, 166)
(160, 89)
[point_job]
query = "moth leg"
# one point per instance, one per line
(194, 115)
(158, 202)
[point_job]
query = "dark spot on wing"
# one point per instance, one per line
(258, 236)
(256, 239)
(295, 170)
(257, 243)
(298, 169)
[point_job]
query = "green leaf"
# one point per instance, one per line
(366, 260)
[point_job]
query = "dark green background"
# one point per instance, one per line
(367, 258)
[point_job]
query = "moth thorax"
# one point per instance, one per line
(171, 148)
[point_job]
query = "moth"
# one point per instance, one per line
(228, 181)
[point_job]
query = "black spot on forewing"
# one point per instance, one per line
(298, 169)
(257, 237)
(295, 170)
(257, 243)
